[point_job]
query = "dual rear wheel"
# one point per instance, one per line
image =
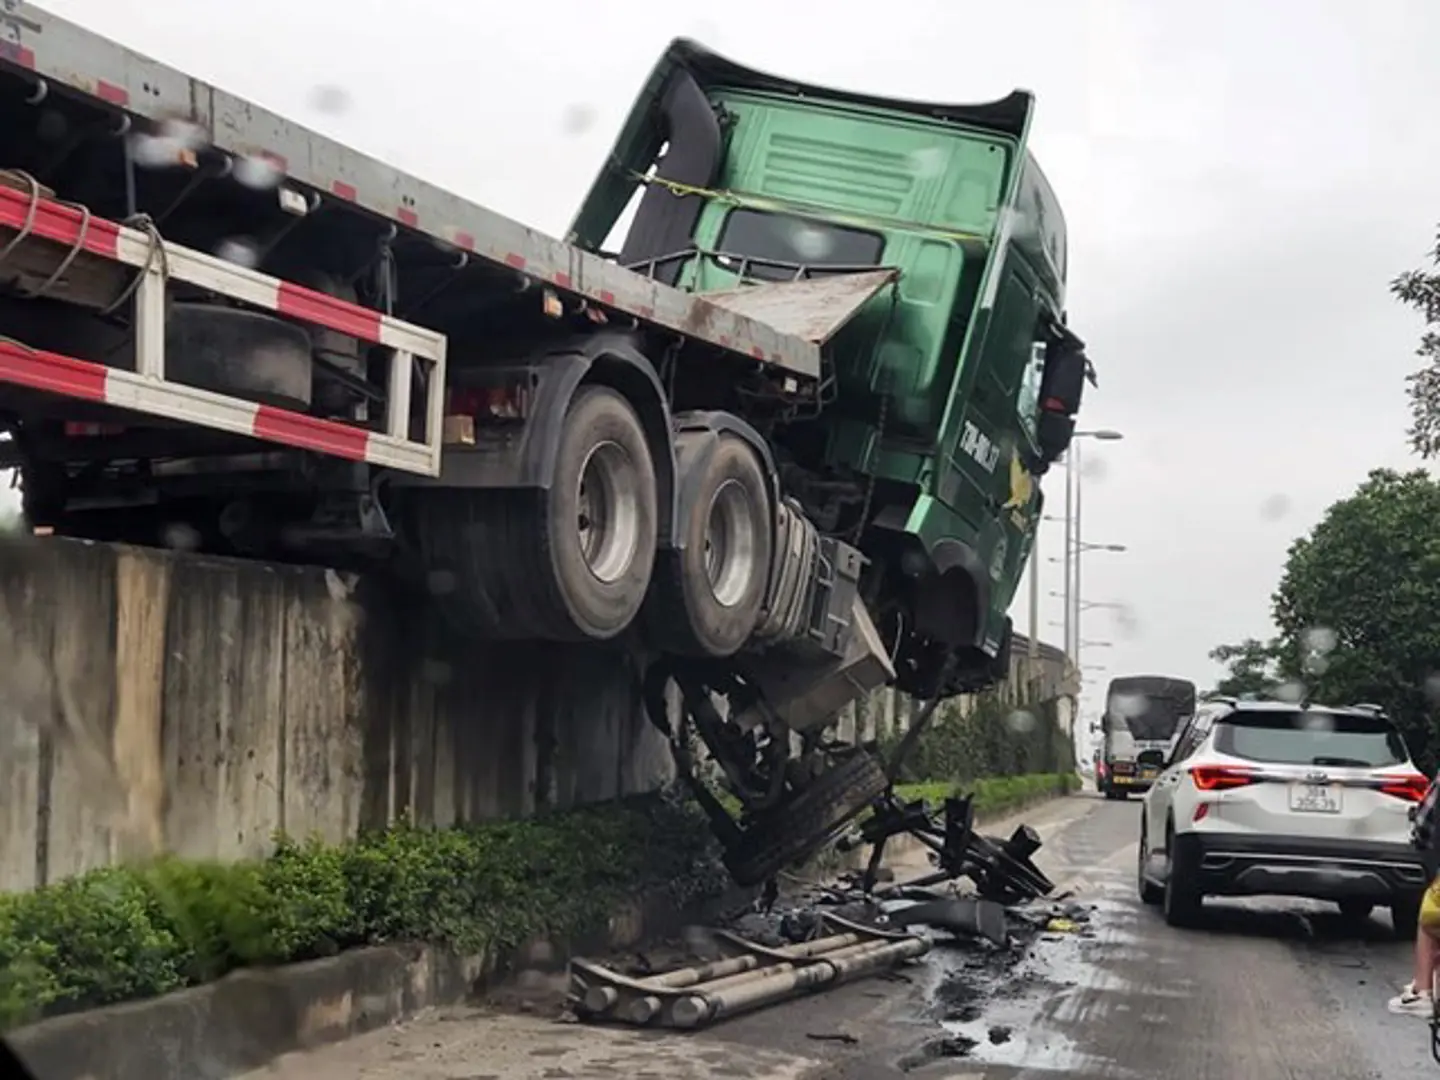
(576, 561)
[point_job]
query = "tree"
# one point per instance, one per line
(1420, 289)
(1358, 605)
(1251, 669)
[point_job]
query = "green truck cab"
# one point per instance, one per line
(950, 391)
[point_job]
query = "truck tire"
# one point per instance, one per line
(569, 563)
(707, 595)
(800, 825)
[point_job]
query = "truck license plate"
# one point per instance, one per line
(1315, 798)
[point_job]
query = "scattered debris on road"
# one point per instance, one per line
(1001, 870)
(824, 935)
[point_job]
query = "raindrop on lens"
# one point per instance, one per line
(240, 251)
(180, 536)
(1130, 705)
(1292, 691)
(810, 243)
(928, 161)
(1275, 507)
(1021, 721)
(255, 171)
(330, 99)
(577, 119)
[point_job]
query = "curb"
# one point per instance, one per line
(247, 1018)
(252, 1016)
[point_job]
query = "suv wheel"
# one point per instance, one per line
(1405, 915)
(1150, 893)
(1355, 910)
(1181, 900)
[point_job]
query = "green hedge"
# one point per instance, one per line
(137, 931)
(996, 794)
(992, 739)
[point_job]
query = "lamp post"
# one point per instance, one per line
(1073, 472)
(1033, 649)
(1073, 604)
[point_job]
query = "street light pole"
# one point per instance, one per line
(1069, 541)
(1034, 646)
(1079, 550)
(1074, 484)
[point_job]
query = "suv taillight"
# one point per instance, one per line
(1411, 787)
(1221, 777)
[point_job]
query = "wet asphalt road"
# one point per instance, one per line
(1265, 990)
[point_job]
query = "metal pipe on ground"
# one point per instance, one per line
(819, 949)
(776, 983)
(715, 975)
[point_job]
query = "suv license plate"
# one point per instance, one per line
(1315, 798)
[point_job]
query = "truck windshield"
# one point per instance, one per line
(1310, 738)
(1150, 708)
(1145, 724)
(775, 247)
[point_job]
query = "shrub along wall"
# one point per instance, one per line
(988, 739)
(130, 932)
(996, 795)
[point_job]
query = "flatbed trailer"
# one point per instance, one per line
(780, 473)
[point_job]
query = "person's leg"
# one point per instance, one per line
(1414, 999)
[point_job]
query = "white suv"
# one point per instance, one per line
(1270, 798)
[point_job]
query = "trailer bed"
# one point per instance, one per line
(74, 59)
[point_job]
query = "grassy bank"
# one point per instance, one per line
(138, 931)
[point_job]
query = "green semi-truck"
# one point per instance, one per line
(783, 441)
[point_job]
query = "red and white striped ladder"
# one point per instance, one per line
(148, 390)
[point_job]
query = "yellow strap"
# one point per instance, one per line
(784, 206)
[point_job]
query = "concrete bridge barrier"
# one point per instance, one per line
(159, 700)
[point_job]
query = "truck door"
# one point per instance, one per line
(998, 431)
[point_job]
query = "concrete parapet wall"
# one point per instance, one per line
(155, 700)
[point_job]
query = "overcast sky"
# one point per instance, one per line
(1241, 180)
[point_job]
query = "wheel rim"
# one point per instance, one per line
(730, 543)
(608, 511)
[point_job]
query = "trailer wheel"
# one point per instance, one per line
(707, 596)
(570, 563)
(801, 824)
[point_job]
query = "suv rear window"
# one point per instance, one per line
(1311, 738)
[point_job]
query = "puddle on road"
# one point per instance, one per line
(1015, 1008)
